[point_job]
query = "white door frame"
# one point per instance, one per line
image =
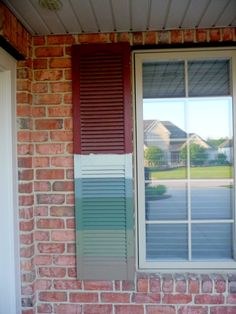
(9, 221)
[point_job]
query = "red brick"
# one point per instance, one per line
(40, 88)
(67, 284)
(26, 225)
(63, 186)
(23, 136)
(137, 38)
(23, 98)
(209, 299)
(54, 199)
(176, 36)
(39, 136)
(193, 285)
(65, 260)
(51, 247)
(60, 39)
(62, 111)
(201, 35)
(42, 186)
(44, 308)
(207, 285)
(123, 37)
(27, 251)
(215, 35)
(228, 34)
(155, 283)
(52, 272)
(25, 162)
(111, 297)
(43, 260)
(23, 110)
(49, 174)
(180, 285)
(48, 75)
(25, 175)
(61, 136)
(129, 309)
(41, 210)
(49, 296)
(220, 284)
(47, 99)
(26, 238)
(50, 223)
(160, 309)
(62, 211)
(48, 52)
(23, 85)
(60, 63)
(39, 40)
(72, 272)
(64, 162)
(48, 124)
(128, 285)
(43, 284)
(26, 213)
(146, 298)
(142, 284)
(63, 235)
(231, 299)
(25, 187)
(150, 38)
(223, 310)
(26, 200)
(38, 112)
(69, 174)
(167, 284)
(68, 74)
(68, 309)
(193, 310)
(71, 248)
(50, 149)
(70, 223)
(177, 298)
(60, 87)
(68, 124)
(188, 35)
(97, 285)
(40, 63)
(25, 149)
(93, 38)
(98, 309)
(41, 235)
(83, 297)
(69, 148)
(40, 162)
(68, 98)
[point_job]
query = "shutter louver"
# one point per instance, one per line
(103, 161)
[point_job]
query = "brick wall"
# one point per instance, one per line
(46, 199)
(48, 233)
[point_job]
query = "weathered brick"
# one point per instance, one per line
(51, 247)
(63, 235)
(111, 297)
(223, 310)
(60, 63)
(54, 199)
(44, 308)
(83, 297)
(62, 211)
(63, 260)
(97, 285)
(48, 124)
(50, 149)
(193, 310)
(62, 111)
(48, 75)
(49, 174)
(50, 296)
(47, 99)
(48, 52)
(177, 298)
(50, 223)
(67, 284)
(98, 309)
(146, 298)
(43, 260)
(52, 272)
(60, 39)
(129, 309)
(160, 309)
(41, 210)
(68, 309)
(209, 299)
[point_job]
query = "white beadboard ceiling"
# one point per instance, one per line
(93, 16)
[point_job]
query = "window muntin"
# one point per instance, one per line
(186, 207)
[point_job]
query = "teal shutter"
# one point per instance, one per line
(103, 161)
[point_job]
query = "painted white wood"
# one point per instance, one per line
(9, 235)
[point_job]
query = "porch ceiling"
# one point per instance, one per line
(93, 16)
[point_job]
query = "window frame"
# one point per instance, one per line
(173, 54)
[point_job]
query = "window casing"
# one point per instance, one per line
(189, 220)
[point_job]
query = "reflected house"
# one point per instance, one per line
(171, 139)
(226, 148)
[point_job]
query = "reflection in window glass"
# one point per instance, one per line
(188, 160)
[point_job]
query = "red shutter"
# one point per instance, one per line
(102, 98)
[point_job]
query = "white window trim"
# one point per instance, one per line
(138, 58)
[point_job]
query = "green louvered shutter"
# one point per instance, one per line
(103, 161)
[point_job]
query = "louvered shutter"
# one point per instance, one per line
(103, 161)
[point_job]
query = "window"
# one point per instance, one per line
(185, 162)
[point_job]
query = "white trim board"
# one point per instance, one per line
(9, 235)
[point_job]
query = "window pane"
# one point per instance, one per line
(212, 199)
(163, 79)
(168, 201)
(208, 78)
(166, 242)
(212, 241)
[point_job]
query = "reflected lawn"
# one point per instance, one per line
(211, 172)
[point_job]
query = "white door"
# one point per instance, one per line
(9, 236)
